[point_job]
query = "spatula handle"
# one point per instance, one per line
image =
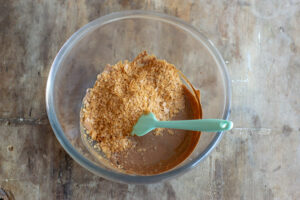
(207, 125)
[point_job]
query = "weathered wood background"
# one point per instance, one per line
(258, 159)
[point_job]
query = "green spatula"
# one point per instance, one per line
(148, 122)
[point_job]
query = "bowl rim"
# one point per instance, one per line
(116, 16)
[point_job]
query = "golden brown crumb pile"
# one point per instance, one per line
(123, 92)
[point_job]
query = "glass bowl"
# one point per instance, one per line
(120, 36)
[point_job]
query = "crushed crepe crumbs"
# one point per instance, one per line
(123, 92)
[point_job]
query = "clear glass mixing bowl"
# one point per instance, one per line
(120, 36)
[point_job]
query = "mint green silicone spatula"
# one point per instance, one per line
(148, 122)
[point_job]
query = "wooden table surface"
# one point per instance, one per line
(258, 159)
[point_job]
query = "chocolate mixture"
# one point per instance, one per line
(121, 94)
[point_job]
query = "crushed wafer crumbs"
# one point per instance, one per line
(123, 92)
